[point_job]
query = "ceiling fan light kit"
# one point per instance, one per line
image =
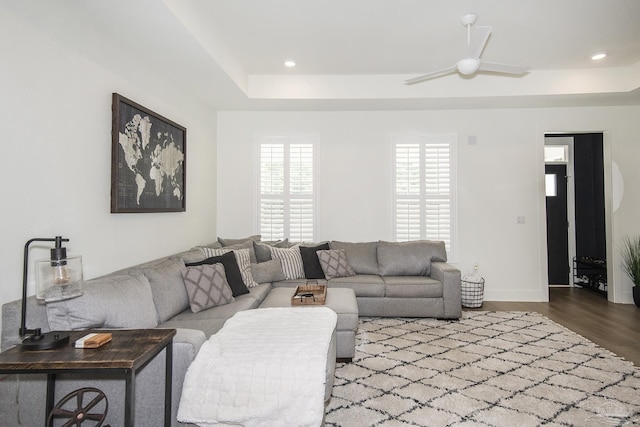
(471, 63)
(468, 66)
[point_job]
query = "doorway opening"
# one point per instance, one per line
(575, 209)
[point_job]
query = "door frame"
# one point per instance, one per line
(612, 256)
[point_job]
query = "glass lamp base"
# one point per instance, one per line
(46, 341)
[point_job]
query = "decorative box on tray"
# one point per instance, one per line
(310, 294)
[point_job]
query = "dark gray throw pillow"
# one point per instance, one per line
(310, 262)
(232, 271)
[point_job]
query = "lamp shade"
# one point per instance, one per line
(59, 278)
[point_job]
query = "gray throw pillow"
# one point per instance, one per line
(207, 286)
(167, 287)
(268, 271)
(334, 263)
(114, 301)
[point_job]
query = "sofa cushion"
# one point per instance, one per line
(291, 261)
(206, 286)
(409, 258)
(310, 262)
(122, 301)
(411, 287)
(231, 268)
(192, 255)
(167, 287)
(230, 242)
(364, 285)
(243, 302)
(268, 271)
(334, 263)
(243, 258)
(363, 257)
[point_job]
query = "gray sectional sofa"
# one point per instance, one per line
(408, 279)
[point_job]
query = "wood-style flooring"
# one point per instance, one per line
(615, 327)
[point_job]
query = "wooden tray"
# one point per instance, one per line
(309, 294)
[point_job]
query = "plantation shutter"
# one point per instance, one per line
(286, 199)
(424, 189)
(272, 203)
(437, 184)
(301, 191)
(408, 192)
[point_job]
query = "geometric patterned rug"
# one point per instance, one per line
(487, 369)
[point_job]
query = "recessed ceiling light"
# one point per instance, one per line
(289, 63)
(599, 56)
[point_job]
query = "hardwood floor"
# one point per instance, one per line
(615, 327)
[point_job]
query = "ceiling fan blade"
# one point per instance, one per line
(431, 75)
(477, 41)
(503, 68)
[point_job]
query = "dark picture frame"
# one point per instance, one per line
(148, 160)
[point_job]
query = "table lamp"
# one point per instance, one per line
(58, 278)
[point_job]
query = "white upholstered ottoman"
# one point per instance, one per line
(342, 301)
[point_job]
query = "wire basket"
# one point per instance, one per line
(472, 291)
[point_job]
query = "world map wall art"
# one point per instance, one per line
(148, 160)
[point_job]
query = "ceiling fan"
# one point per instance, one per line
(471, 63)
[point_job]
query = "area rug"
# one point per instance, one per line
(487, 369)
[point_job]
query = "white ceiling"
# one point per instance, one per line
(356, 54)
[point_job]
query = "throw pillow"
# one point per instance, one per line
(232, 271)
(167, 287)
(243, 258)
(335, 264)
(291, 261)
(310, 262)
(268, 271)
(206, 286)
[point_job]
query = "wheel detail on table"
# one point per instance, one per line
(85, 404)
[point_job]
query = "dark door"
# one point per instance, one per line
(557, 227)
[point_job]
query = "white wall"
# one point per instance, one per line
(499, 178)
(55, 104)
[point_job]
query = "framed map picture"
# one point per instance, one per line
(148, 160)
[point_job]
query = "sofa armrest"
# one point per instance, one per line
(450, 277)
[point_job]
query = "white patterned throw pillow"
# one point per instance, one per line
(291, 261)
(334, 263)
(206, 286)
(243, 257)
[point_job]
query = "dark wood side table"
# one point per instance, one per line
(130, 350)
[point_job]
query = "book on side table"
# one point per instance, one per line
(93, 340)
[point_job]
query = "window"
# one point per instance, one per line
(286, 190)
(424, 189)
